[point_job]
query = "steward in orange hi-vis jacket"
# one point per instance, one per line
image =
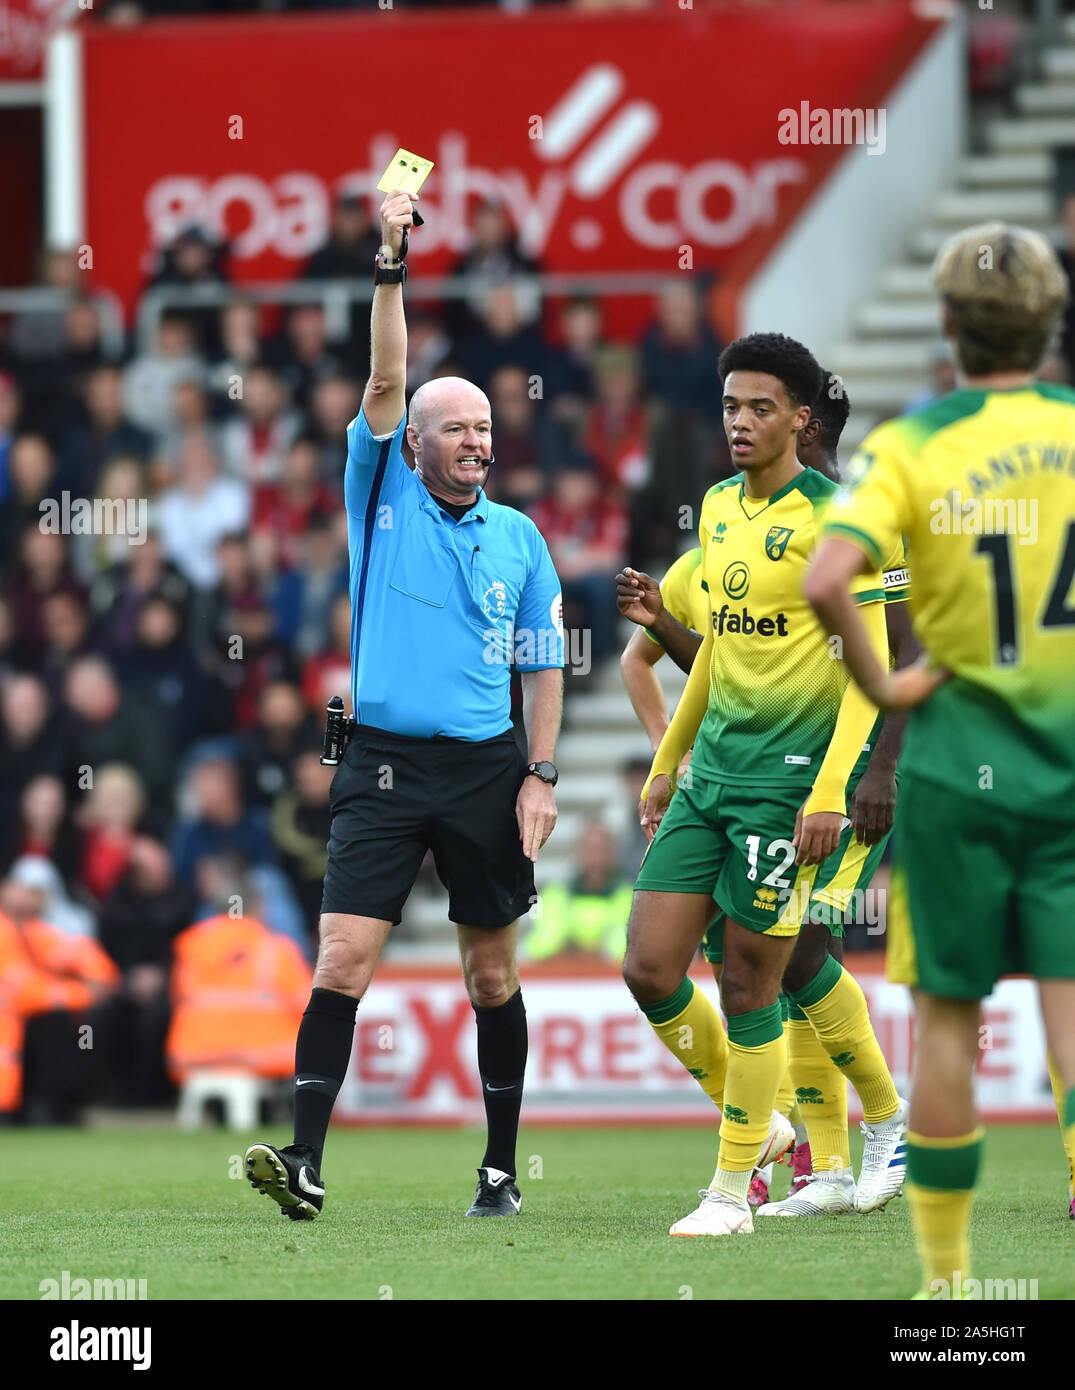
(238, 992)
(41, 969)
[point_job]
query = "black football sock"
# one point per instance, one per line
(502, 1044)
(322, 1052)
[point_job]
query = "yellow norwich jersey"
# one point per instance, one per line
(683, 595)
(775, 685)
(982, 483)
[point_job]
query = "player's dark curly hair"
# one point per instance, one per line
(778, 355)
(832, 407)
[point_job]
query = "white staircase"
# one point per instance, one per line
(885, 361)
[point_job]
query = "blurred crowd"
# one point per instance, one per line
(174, 616)
(174, 609)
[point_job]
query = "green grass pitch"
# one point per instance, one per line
(166, 1207)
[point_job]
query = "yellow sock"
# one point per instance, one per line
(785, 1098)
(836, 1006)
(821, 1089)
(941, 1177)
(758, 1058)
(691, 1029)
(1067, 1121)
(941, 1223)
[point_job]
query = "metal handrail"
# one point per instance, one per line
(40, 299)
(337, 296)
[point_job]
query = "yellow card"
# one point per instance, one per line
(407, 172)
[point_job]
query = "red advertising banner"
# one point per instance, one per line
(616, 139)
(24, 29)
(595, 1060)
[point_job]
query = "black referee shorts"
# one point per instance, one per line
(394, 797)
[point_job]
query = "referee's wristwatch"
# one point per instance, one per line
(387, 269)
(546, 771)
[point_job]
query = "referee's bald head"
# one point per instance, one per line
(446, 395)
(450, 431)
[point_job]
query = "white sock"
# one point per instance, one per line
(734, 1185)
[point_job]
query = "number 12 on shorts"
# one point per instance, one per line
(775, 878)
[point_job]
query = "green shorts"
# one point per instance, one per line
(977, 893)
(839, 899)
(733, 843)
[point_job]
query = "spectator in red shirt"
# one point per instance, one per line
(586, 533)
(283, 511)
(264, 658)
(254, 444)
(329, 673)
(110, 817)
(617, 431)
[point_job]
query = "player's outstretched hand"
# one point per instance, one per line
(654, 805)
(908, 687)
(638, 597)
(396, 214)
(817, 835)
(535, 813)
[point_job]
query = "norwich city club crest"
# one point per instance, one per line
(776, 542)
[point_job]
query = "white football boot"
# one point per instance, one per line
(717, 1216)
(781, 1139)
(884, 1161)
(830, 1193)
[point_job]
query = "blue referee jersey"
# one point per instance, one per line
(440, 609)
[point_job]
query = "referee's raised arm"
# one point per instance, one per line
(385, 397)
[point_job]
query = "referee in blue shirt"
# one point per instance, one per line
(448, 589)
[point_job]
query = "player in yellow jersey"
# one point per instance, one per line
(982, 484)
(671, 617)
(772, 721)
